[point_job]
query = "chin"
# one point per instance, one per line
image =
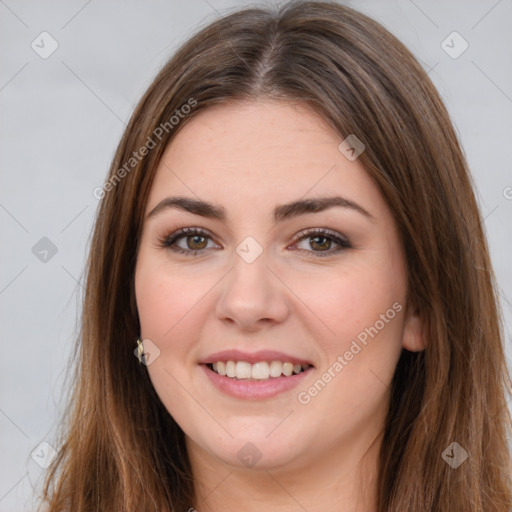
(255, 452)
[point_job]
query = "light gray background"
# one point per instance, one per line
(63, 116)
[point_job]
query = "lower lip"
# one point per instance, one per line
(254, 389)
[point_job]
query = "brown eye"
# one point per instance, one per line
(323, 245)
(195, 241)
(320, 241)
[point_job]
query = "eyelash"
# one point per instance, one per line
(169, 240)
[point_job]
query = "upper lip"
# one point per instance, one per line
(253, 357)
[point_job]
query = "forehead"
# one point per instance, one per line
(252, 137)
(259, 153)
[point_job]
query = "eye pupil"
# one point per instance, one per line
(195, 238)
(326, 239)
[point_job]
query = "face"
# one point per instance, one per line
(322, 288)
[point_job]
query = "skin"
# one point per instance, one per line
(249, 157)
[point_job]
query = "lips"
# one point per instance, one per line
(257, 375)
(254, 389)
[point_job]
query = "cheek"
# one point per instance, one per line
(155, 303)
(348, 303)
(168, 303)
(164, 297)
(365, 314)
(364, 309)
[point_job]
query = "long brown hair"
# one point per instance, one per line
(121, 450)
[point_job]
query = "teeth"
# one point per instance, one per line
(276, 368)
(258, 371)
(287, 369)
(243, 370)
(230, 369)
(221, 368)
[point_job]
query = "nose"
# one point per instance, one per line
(252, 296)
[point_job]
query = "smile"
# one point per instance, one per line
(263, 370)
(254, 388)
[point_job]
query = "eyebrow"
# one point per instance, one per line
(281, 213)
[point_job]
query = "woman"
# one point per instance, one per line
(288, 240)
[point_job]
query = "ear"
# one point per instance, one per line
(413, 336)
